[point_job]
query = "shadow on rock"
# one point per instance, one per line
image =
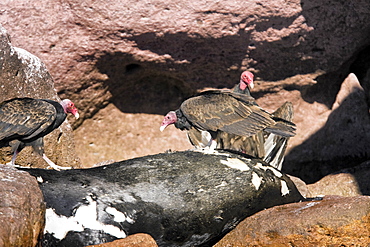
(181, 63)
(343, 142)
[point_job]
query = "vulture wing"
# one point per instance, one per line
(199, 138)
(25, 118)
(226, 111)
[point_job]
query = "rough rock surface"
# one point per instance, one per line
(343, 141)
(124, 136)
(180, 199)
(136, 240)
(198, 44)
(160, 52)
(334, 221)
(22, 208)
(348, 182)
(24, 75)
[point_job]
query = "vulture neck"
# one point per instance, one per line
(238, 90)
(61, 115)
(182, 122)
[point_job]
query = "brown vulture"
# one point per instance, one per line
(202, 139)
(218, 111)
(269, 147)
(25, 121)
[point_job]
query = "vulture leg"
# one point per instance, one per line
(12, 162)
(213, 145)
(53, 165)
(38, 146)
(17, 146)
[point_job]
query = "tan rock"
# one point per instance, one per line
(124, 136)
(301, 186)
(348, 182)
(22, 208)
(334, 221)
(342, 184)
(136, 240)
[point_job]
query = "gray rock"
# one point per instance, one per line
(180, 199)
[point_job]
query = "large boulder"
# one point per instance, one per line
(24, 75)
(92, 46)
(180, 199)
(341, 138)
(333, 221)
(22, 208)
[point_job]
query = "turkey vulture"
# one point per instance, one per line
(25, 121)
(233, 113)
(269, 147)
(202, 139)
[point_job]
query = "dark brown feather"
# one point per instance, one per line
(226, 111)
(25, 118)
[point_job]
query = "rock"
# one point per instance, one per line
(192, 45)
(301, 186)
(98, 51)
(334, 221)
(342, 184)
(348, 182)
(125, 136)
(340, 143)
(22, 208)
(180, 199)
(136, 240)
(25, 75)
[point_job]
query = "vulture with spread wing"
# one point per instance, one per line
(203, 139)
(225, 111)
(25, 121)
(267, 146)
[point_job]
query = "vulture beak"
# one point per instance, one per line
(251, 85)
(170, 118)
(76, 115)
(162, 127)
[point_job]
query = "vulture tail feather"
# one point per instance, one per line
(282, 128)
